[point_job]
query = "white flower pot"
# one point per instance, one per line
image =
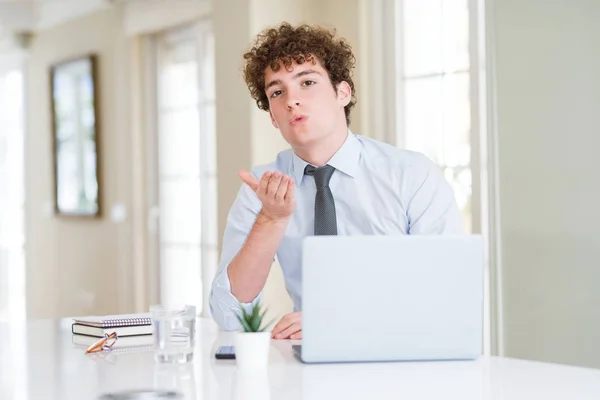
(251, 384)
(252, 349)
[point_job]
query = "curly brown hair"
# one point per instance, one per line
(303, 43)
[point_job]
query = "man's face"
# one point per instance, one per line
(303, 104)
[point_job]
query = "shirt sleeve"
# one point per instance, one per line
(224, 306)
(432, 207)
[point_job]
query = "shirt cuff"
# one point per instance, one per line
(224, 306)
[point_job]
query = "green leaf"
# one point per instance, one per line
(255, 311)
(245, 325)
(252, 321)
(243, 318)
(242, 322)
(254, 325)
(247, 328)
(255, 322)
(244, 313)
(261, 318)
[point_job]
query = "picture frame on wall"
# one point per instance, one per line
(75, 131)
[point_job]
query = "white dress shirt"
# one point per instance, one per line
(378, 190)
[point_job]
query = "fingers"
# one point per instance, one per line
(283, 324)
(248, 179)
(274, 184)
(288, 332)
(283, 188)
(296, 336)
(289, 195)
(288, 325)
(275, 190)
(264, 183)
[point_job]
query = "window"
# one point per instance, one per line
(12, 196)
(434, 75)
(12, 232)
(439, 102)
(186, 157)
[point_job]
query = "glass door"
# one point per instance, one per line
(186, 165)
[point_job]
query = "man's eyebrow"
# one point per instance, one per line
(273, 83)
(306, 72)
(296, 76)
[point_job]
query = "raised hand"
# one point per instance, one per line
(276, 192)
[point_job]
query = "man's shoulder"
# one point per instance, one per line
(387, 155)
(282, 163)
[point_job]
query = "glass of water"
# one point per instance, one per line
(174, 333)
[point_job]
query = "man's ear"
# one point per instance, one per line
(273, 120)
(344, 93)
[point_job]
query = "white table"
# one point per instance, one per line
(39, 361)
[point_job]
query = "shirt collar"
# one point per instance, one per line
(344, 160)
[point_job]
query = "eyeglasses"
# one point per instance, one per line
(106, 343)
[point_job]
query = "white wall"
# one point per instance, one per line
(79, 266)
(548, 85)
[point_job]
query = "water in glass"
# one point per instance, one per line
(174, 332)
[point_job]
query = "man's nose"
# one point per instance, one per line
(293, 104)
(292, 101)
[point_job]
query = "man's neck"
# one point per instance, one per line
(318, 154)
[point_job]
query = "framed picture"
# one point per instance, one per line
(74, 103)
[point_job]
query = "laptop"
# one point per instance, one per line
(391, 298)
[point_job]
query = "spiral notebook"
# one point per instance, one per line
(124, 325)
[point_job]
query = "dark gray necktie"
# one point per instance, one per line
(325, 222)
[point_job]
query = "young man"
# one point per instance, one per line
(331, 181)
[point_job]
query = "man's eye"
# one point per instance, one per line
(309, 83)
(275, 94)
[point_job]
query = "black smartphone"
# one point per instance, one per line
(225, 353)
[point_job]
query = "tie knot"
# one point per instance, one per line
(322, 174)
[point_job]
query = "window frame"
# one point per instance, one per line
(199, 31)
(387, 107)
(14, 250)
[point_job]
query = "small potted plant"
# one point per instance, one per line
(253, 342)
